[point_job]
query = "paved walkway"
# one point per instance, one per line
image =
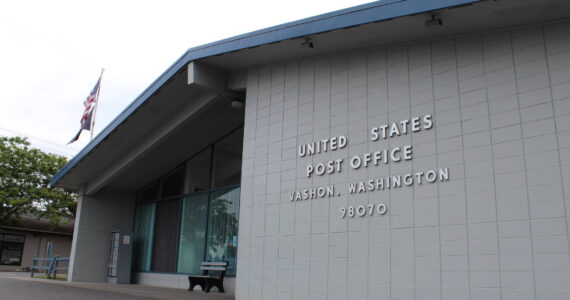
(19, 286)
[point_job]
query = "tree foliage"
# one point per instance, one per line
(25, 174)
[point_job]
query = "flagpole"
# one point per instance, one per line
(96, 104)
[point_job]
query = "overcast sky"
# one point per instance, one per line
(51, 54)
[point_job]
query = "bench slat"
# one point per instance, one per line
(213, 268)
(214, 263)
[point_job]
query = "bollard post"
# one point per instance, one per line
(49, 249)
(33, 265)
(51, 266)
(55, 267)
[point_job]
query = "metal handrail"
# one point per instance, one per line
(52, 268)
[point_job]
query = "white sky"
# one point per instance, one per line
(51, 54)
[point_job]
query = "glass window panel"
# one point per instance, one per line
(227, 160)
(14, 238)
(173, 183)
(193, 233)
(144, 231)
(11, 253)
(199, 172)
(165, 236)
(223, 227)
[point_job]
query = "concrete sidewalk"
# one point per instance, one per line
(20, 286)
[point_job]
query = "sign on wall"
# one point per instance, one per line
(377, 158)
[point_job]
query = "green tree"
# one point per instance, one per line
(25, 174)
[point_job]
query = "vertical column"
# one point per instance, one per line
(302, 241)
(98, 215)
(542, 162)
(244, 259)
(337, 227)
(426, 197)
(288, 181)
(357, 227)
(558, 58)
(401, 200)
(453, 207)
(273, 187)
(319, 252)
(378, 226)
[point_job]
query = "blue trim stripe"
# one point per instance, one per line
(354, 16)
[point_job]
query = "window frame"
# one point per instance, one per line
(185, 193)
(2, 241)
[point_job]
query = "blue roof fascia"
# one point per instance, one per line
(354, 16)
(344, 18)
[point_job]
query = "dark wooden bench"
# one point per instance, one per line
(212, 276)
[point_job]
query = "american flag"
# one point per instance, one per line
(89, 104)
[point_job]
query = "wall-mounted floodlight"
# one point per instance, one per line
(434, 22)
(308, 43)
(236, 104)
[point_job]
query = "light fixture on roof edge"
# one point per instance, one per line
(434, 22)
(308, 43)
(236, 104)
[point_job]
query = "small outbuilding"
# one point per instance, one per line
(21, 240)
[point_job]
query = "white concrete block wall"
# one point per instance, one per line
(97, 217)
(498, 229)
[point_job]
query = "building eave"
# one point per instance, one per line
(37, 230)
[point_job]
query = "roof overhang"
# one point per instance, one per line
(147, 122)
(21, 229)
(164, 131)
